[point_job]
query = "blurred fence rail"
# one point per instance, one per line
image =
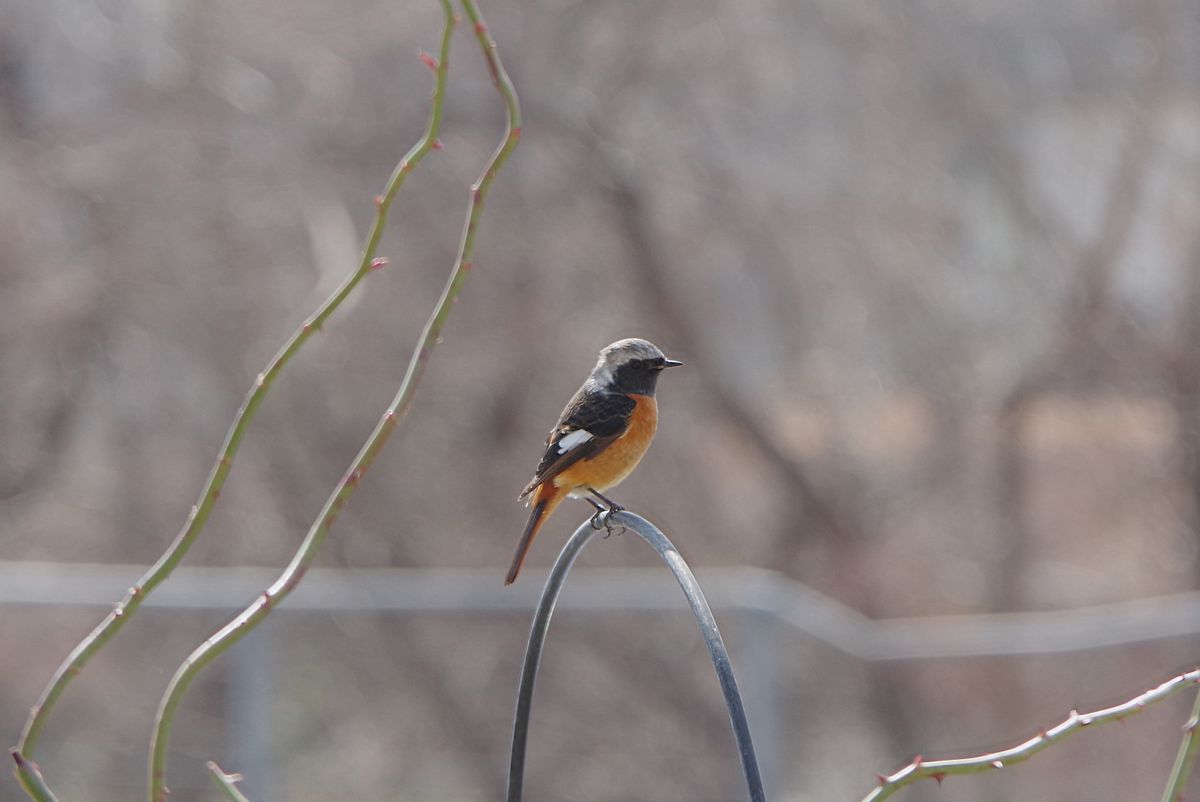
(614, 590)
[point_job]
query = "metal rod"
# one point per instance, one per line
(251, 680)
(700, 609)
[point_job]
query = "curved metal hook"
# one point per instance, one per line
(704, 617)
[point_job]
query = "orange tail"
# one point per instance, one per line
(545, 499)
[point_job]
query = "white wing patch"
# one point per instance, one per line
(574, 440)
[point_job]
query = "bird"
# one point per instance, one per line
(599, 439)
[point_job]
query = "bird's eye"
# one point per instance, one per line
(638, 365)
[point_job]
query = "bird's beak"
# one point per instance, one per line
(671, 363)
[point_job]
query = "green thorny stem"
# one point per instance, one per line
(254, 614)
(227, 783)
(1185, 758)
(920, 769)
(198, 517)
(31, 779)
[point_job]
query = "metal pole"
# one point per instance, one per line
(249, 703)
(704, 617)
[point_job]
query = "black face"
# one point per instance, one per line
(638, 376)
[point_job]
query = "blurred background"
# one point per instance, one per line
(934, 268)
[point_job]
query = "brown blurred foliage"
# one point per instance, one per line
(934, 267)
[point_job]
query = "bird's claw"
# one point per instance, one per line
(604, 513)
(612, 530)
(601, 520)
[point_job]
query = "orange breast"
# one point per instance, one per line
(614, 463)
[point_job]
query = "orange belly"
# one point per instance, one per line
(609, 467)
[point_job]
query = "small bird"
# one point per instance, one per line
(600, 436)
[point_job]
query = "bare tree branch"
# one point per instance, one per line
(920, 769)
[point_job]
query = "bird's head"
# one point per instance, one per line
(631, 366)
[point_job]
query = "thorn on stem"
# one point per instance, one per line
(232, 777)
(516, 133)
(917, 761)
(378, 201)
(429, 61)
(436, 144)
(882, 780)
(260, 380)
(480, 28)
(379, 262)
(997, 764)
(939, 776)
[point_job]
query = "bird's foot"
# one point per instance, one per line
(611, 529)
(598, 515)
(601, 518)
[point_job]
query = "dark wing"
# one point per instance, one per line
(588, 424)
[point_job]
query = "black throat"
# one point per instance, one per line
(627, 379)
